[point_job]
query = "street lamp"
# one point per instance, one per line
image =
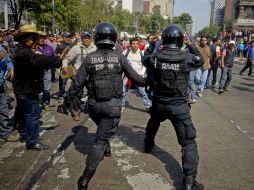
(53, 16)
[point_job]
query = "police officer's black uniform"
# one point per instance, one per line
(170, 101)
(101, 72)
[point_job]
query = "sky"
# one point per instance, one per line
(198, 9)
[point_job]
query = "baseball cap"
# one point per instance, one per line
(83, 34)
(67, 34)
(232, 42)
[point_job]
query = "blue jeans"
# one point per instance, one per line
(5, 129)
(194, 79)
(27, 115)
(226, 77)
(46, 87)
(142, 92)
(204, 73)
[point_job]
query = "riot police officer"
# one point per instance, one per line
(101, 72)
(170, 100)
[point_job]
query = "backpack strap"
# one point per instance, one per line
(141, 55)
(82, 53)
(127, 53)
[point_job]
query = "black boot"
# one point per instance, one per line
(148, 146)
(107, 152)
(191, 184)
(85, 178)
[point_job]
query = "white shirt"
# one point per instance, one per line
(135, 61)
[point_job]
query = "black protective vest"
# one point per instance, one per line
(229, 58)
(105, 77)
(170, 73)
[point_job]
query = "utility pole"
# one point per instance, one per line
(53, 16)
(5, 15)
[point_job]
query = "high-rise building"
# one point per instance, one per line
(228, 9)
(217, 12)
(132, 5)
(146, 7)
(165, 6)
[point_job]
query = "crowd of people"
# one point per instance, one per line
(30, 60)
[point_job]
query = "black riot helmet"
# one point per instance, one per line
(105, 34)
(173, 36)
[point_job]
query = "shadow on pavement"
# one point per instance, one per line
(242, 88)
(247, 84)
(78, 138)
(136, 141)
(248, 78)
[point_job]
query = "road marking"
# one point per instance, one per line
(240, 129)
(64, 174)
(35, 187)
(135, 175)
(8, 148)
(20, 153)
(243, 131)
(28, 171)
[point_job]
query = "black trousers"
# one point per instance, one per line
(106, 115)
(250, 65)
(214, 68)
(185, 131)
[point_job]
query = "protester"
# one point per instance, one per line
(28, 84)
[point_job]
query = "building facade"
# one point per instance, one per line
(146, 7)
(166, 7)
(217, 12)
(132, 5)
(229, 4)
(243, 15)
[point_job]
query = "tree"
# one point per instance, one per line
(210, 32)
(94, 10)
(183, 20)
(228, 24)
(67, 14)
(157, 21)
(145, 24)
(17, 7)
(123, 19)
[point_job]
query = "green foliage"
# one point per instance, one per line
(77, 15)
(123, 19)
(94, 10)
(157, 21)
(67, 14)
(210, 32)
(183, 20)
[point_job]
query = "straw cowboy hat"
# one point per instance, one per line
(40, 33)
(24, 30)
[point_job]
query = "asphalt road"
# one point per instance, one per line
(225, 141)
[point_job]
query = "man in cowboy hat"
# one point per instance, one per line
(28, 84)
